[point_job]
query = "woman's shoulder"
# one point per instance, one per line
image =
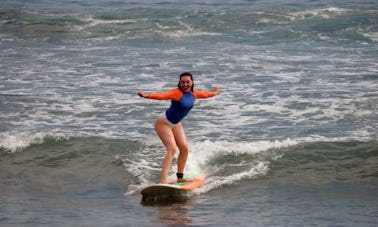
(175, 94)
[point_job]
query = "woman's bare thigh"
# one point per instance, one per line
(180, 137)
(165, 134)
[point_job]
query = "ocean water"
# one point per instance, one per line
(292, 139)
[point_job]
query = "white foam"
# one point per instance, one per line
(185, 33)
(14, 142)
(373, 36)
(91, 22)
(325, 13)
(213, 182)
(204, 150)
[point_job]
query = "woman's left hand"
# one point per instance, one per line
(217, 90)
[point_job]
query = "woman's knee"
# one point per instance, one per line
(184, 148)
(171, 150)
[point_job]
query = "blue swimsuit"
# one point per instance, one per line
(182, 102)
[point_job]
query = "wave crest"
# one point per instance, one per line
(16, 142)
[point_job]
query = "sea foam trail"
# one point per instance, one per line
(207, 158)
(222, 162)
(228, 167)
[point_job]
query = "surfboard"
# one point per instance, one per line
(174, 191)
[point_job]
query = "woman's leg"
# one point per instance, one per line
(182, 143)
(167, 137)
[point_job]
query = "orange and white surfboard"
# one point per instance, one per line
(171, 191)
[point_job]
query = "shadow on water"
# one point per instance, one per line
(171, 209)
(166, 199)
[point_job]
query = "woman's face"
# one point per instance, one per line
(186, 83)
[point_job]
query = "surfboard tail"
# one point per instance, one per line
(193, 183)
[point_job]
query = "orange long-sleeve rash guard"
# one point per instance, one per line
(182, 102)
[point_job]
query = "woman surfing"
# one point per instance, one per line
(168, 124)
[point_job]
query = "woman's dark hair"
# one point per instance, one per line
(185, 74)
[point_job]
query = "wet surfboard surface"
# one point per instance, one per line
(170, 192)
